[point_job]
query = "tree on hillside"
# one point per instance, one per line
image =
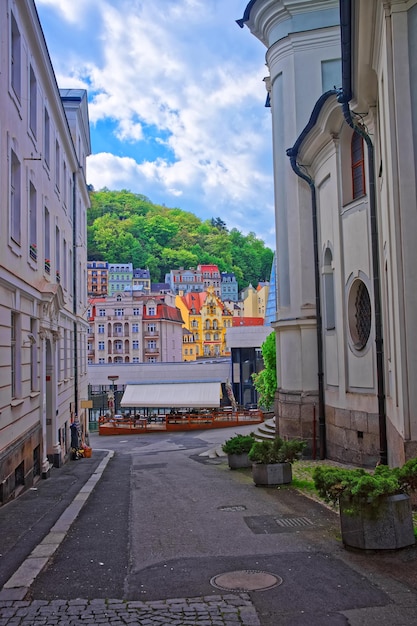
(123, 227)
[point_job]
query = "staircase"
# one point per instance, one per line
(266, 430)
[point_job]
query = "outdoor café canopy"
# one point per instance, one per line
(193, 394)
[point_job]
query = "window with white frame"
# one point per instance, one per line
(33, 101)
(135, 345)
(57, 165)
(33, 236)
(102, 312)
(136, 311)
(135, 359)
(15, 356)
(119, 312)
(46, 137)
(101, 329)
(135, 328)
(101, 345)
(15, 198)
(101, 360)
(34, 376)
(15, 60)
(152, 344)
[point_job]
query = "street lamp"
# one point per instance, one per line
(111, 397)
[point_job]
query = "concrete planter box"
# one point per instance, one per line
(237, 461)
(390, 529)
(273, 474)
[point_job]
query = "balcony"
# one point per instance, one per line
(151, 350)
(151, 333)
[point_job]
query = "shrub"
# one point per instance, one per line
(276, 451)
(239, 444)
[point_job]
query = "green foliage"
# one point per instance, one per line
(123, 227)
(265, 381)
(276, 451)
(363, 490)
(239, 444)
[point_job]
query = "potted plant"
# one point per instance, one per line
(375, 508)
(272, 460)
(237, 449)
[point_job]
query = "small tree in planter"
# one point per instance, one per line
(272, 460)
(375, 508)
(237, 449)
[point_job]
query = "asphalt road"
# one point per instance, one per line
(164, 522)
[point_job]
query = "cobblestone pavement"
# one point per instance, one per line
(219, 610)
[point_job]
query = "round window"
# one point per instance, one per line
(359, 311)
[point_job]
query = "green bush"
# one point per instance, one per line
(361, 489)
(276, 451)
(239, 444)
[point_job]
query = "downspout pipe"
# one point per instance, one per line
(292, 153)
(74, 286)
(344, 98)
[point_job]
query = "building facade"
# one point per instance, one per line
(345, 170)
(44, 142)
(133, 328)
(120, 277)
(206, 320)
(229, 289)
(97, 278)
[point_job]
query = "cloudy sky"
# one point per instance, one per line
(176, 102)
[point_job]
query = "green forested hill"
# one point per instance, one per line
(124, 227)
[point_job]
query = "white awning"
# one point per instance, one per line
(195, 394)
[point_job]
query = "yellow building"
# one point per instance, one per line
(205, 323)
(255, 300)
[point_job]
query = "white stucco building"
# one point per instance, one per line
(44, 141)
(343, 97)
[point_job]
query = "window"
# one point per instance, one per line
(328, 279)
(33, 103)
(152, 359)
(135, 345)
(135, 359)
(135, 328)
(15, 198)
(102, 312)
(358, 166)
(151, 328)
(101, 329)
(152, 344)
(15, 359)
(58, 254)
(359, 314)
(47, 242)
(57, 165)
(119, 312)
(15, 70)
(101, 361)
(33, 238)
(136, 311)
(34, 383)
(46, 137)
(101, 345)
(151, 310)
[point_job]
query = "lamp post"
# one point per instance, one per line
(111, 398)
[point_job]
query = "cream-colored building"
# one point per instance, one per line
(345, 144)
(254, 300)
(44, 142)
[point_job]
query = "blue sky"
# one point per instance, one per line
(176, 102)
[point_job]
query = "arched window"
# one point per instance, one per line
(328, 280)
(358, 166)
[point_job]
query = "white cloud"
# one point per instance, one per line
(182, 75)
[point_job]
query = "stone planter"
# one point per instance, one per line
(272, 474)
(390, 528)
(237, 461)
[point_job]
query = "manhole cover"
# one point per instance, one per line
(246, 580)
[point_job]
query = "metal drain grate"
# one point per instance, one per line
(234, 507)
(293, 522)
(270, 525)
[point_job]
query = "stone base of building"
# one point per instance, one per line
(352, 436)
(297, 418)
(21, 464)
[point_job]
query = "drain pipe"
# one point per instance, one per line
(74, 287)
(344, 98)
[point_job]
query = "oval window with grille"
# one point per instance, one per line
(360, 314)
